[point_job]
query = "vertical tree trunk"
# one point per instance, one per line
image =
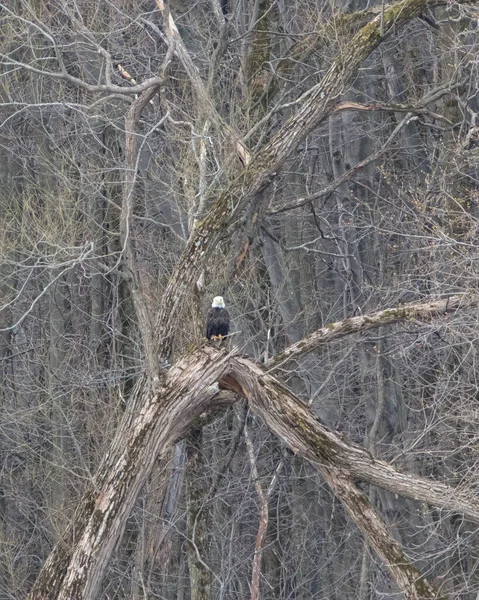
(197, 515)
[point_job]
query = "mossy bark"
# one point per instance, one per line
(408, 578)
(259, 52)
(158, 417)
(423, 311)
(155, 418)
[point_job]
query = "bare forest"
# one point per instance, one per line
(316, 164)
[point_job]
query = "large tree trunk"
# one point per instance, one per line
(153, 422)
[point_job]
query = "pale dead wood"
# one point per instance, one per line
(155, 418)
(158, 415)
(202, 94)
(132, 120)
(416, 311)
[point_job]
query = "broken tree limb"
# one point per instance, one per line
(201, 91)
(297, 426)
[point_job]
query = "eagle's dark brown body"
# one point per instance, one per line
(217, 323)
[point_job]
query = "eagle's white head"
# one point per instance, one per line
(218, 302)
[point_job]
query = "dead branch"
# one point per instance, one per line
(421, 311)
(202, 94)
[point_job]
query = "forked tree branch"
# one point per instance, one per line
(431, 96)
(160, 414)
(201, 92)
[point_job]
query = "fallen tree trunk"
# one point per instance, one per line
(297, 426)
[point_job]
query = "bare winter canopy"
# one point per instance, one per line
(317, 165)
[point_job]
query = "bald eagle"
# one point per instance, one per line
(218, 320)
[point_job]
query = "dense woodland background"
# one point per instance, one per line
(377, 206)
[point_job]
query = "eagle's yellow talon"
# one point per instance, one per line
(218, 320)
